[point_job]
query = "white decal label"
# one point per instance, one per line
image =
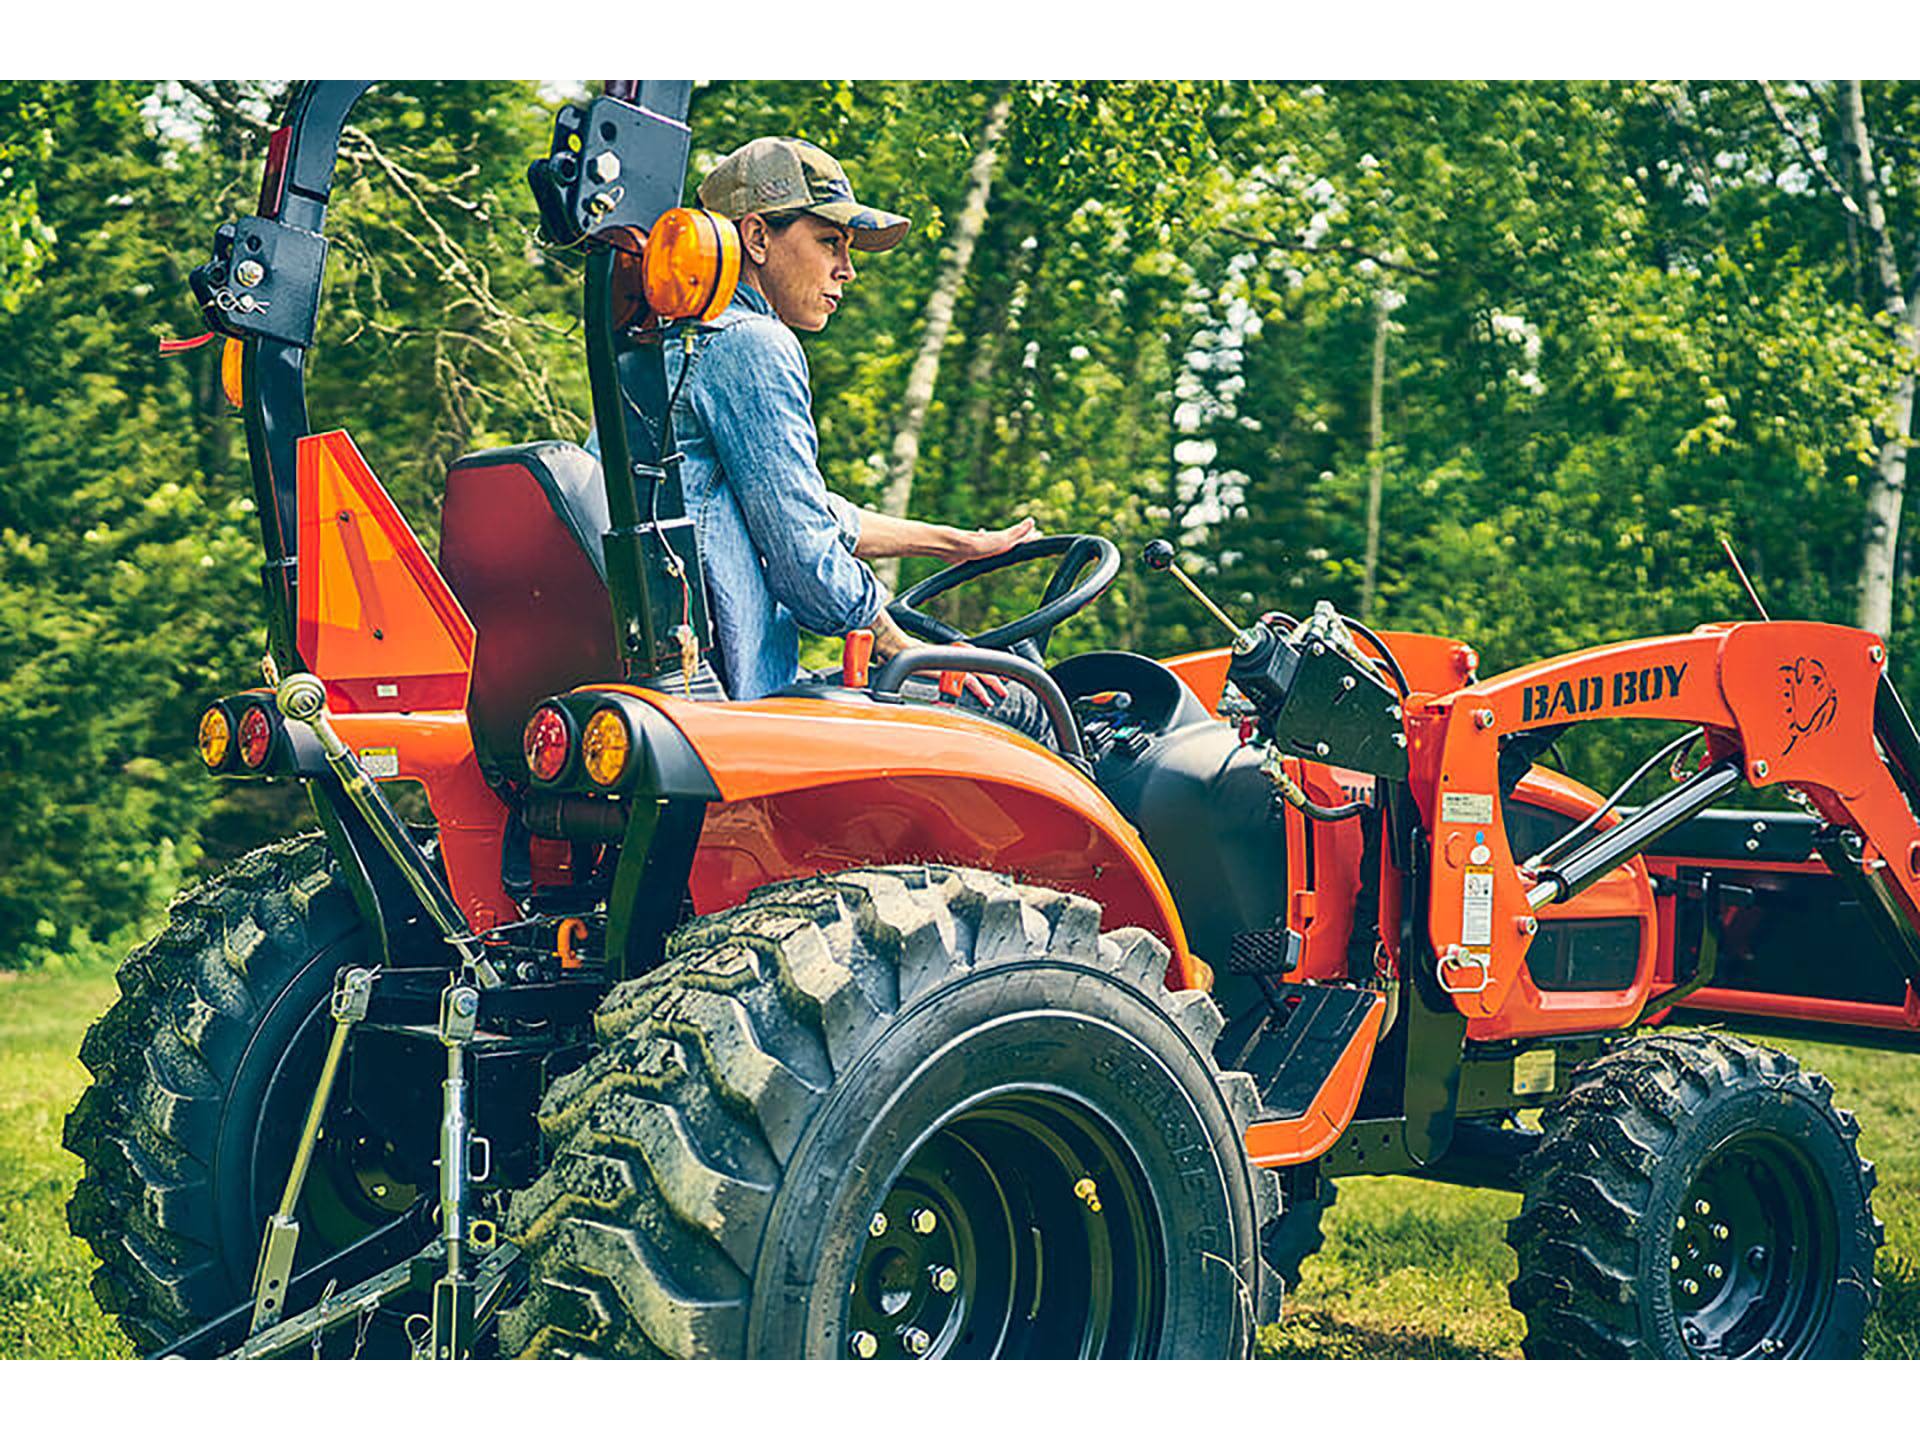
(386, 692)
(382, 763)
(1463, 807)
(1476, 908)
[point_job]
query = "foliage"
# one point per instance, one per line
(1622, 319)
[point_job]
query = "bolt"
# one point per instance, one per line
(1673, 1262)
(924, 1221)
(1769, 1346)
(863, 1344)
(1347, 682)
(1759, 769)
(1680, 1222)
(1757, 1256)
(604, 167)
(1321, 748)
(1690, 1287)
(1720, 1232)
(944, 1279)
(1400, 740)
(1526, 924)
(1701, 1207)
(1715, 1272)
(249, 272)
(877, 1226)
(465, 1002)
(917, 1341)
(1752, 844)
(1876, 654)
(1483, 719)
(1317, 648)
(1759, 827)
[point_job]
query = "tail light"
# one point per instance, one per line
(256, 736)
(215, 737)
(605, 746)
(547, 744)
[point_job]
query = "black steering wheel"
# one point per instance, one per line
(1066, 593)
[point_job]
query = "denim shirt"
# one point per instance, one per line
(777, 545)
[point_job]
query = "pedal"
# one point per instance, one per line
(1264, 952)
(1292, 1059)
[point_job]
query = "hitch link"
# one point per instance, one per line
(453, 1293)
(350, 996)
(303, 697)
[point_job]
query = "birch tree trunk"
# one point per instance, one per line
(937, 321)
(1887, 488)
(1377, 460)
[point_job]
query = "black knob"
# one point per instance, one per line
(1158, 554)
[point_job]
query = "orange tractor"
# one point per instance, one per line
(833, 1024)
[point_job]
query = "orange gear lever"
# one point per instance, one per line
(855, 658)
(953, 684)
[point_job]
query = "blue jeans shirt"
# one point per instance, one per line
(777, 545)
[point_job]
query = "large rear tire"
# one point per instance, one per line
(896, 1112)
(1696, 1195)
(203, 1070)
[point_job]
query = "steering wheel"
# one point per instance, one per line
(1066, 593)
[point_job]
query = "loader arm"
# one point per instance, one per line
(1787, 703)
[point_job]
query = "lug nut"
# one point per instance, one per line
(249, 272)
(877, 1226)
(863, 1344)
(924, 1221)
(1715, 1272)
(1680, 1222)
(916, 1340)
(944, 1278)
(1673, 1262)
(1690, 1286)
(1720, 1232)
(1701, 1207)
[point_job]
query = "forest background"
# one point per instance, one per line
(1499, 360)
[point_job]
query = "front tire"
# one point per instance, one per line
(1696, 1195)
(897, 1112)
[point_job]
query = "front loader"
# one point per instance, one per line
(838, 1023)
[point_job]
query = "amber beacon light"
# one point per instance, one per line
(691, 265)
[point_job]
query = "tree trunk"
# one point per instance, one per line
(1376, 458)
(1887, 487)
(937, 321)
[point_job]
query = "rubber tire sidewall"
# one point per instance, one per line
(243, 1195)
(1810, 1129)
(1034, 1025)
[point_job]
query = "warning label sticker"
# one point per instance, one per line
(1476, 908)
(1463, 807)
(382, 763)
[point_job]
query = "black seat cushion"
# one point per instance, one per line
(521, 545)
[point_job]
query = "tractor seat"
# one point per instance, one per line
(520, 544)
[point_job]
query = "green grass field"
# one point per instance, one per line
(1410, 1269)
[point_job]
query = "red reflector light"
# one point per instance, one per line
(256, 737)
(545, 743)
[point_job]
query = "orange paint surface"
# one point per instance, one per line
(376, 619)
(811, 785)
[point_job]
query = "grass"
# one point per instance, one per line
(46, 1310)
(1411, 1270)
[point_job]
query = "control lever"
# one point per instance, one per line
(1159, 556)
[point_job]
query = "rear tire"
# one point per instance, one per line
(1696, 1195)
(203, 1069)
(1299, 1231)
(1057, 1164)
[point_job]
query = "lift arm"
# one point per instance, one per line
(1783, 703)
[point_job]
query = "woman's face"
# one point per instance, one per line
(802, 270)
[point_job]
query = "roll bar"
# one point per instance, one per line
(616, 165)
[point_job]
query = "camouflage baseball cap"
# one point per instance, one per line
(778, 173)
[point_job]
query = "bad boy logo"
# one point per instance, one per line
(1810, 699)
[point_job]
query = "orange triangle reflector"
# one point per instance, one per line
(377, 621)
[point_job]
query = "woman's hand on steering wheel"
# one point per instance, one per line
(979, 544)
